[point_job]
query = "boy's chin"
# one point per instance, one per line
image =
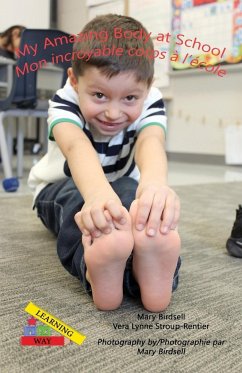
(108, 132)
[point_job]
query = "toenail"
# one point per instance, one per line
(107, 230)
(164, 230)
(151, 232)
(122, 221)
(97, 234)
(139, 227)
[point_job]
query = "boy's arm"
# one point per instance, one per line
(156, 201)
(89, 178)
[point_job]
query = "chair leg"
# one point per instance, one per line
(10, 184)
(9, 137)
(20, 146)
(7, 169)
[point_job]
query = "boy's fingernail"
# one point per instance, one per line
(139, 227)
(164, 230)
(107, 230)
(97, 233)
(151, 232)
(123, 221)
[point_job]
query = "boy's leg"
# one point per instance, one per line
(155, 261)
(104, 259)
(56, 206)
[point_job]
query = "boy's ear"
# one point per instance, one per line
(73, 79)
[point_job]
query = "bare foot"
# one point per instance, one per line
(154, 263)
(105, 258)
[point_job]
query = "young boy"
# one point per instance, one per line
(102, 187)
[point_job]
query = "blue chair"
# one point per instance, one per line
(38, 49)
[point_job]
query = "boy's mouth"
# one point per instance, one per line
(109, 124)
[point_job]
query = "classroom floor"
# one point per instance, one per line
(209, 292)
(180, 173)
(205, 309)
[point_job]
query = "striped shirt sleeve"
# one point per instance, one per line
(154, 112)
(64, 107)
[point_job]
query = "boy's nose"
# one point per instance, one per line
(112, 113)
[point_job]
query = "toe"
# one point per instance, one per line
(127, 225)
(86, 240)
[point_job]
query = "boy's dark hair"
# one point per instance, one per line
(8, 34)
(111, 65)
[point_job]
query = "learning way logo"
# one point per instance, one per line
(41, 333)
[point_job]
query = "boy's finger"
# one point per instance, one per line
(176, 215)
(88, 224)
(168, 215)
(107, 215)
(155, 215)
(78, 220)
(143, 210)
(116, 211)
(109, 219)
(100, 220)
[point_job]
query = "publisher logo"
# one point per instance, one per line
(40, 334)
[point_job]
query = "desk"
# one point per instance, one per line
(6, 74)
(49, 78)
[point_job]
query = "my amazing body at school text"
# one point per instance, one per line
(118, 33)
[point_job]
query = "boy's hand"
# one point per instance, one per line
(97, 214)
(158, 209)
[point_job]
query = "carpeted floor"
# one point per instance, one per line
(208, 299)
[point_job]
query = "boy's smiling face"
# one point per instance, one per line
(109, 104)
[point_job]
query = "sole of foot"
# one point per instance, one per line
(154, 263)
(105, 258)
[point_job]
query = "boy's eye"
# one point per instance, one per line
(130, 98)
(99, 95)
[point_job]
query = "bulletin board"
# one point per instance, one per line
(27, 14)
(214, 23)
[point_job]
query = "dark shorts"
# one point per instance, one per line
(56, 206)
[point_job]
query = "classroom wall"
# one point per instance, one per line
(29, 13)
(71, 15)
(201, 108)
